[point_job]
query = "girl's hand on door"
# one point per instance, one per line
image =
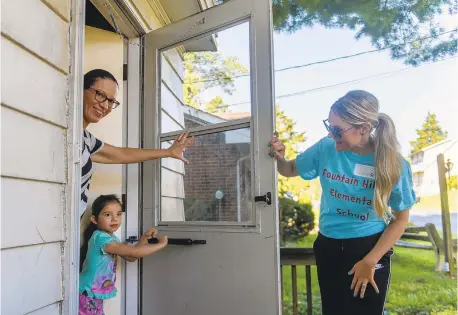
(149, 234)
(163, 240)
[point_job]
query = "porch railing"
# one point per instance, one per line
(298, 257)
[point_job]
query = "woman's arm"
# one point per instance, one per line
(389, 237)
(287, 168)
(277, 151)
(115, 155)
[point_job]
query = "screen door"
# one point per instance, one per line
(212, 75)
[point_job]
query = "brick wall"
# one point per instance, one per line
(213, 166)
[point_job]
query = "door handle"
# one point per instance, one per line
(179, 241)
(267, 198)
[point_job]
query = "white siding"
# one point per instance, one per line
(36, 151)
(174, 58)
(171, 78)
(172, 164)
(171, 104)
(35, 87)
(34, 162)
(27, 215)
(172, 184)
(172, 209)
(31, 278)
(170, 123)
(37, 28)
(52, 309)
(172, 119)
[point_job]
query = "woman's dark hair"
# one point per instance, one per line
(97, 206)
(94, 75)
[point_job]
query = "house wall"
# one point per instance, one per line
(424, 167)
(36, 117)
(213, 167)
(172, 119)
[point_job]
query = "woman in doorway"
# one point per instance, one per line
(100, 89)
(366, 196)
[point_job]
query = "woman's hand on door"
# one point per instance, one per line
(277, 149)
(182, 141)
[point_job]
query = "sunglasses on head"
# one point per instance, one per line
(335, 131)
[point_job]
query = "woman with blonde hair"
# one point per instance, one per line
(366, 196)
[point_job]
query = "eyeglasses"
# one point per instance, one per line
(101, 97)
(335, 131)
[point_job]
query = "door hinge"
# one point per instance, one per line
(124, 72)
(124, 202)
(267, 198)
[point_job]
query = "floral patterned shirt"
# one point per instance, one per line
(98, 277)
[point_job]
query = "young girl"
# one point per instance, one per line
(99, 254)
(367, 194)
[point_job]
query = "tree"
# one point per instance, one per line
(286, 129)
(452, 182)
(216, 105)
(430, 133)
(296, 219)
(205, 70)
(409, 29)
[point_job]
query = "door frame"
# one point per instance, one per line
(134, 28)
(131, 271)
(130, 25)
(73, 185)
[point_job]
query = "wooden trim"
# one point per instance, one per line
(159, 11)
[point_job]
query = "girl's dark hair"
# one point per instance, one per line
(97, 206)
(94, 75)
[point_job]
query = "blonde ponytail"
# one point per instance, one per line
(360, 107)
(388, 164)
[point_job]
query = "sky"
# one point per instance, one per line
(406, 95)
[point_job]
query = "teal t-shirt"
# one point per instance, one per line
(348, 181)
(98, 277)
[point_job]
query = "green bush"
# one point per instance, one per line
(296, 219)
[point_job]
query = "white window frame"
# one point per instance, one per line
(164, 42)
(253, 222)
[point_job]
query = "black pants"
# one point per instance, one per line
(334, 259)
